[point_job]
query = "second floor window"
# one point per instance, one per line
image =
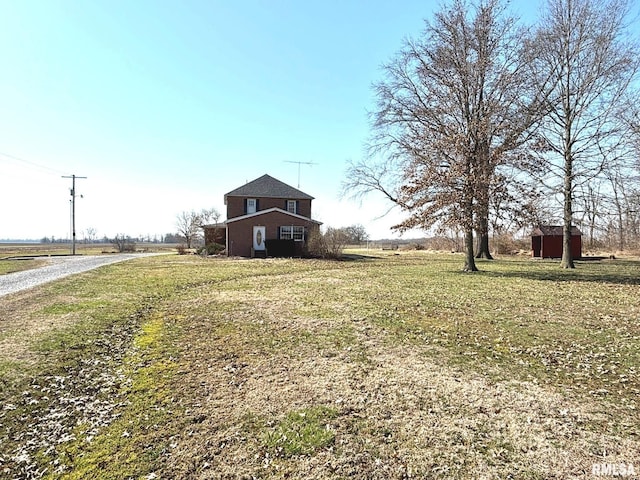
(291, 206)
(251, 205)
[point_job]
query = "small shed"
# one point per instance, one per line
(546, 242)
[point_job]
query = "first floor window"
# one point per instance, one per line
(286, 233)
(292, 232)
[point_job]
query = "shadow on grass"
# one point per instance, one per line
(620, 272)
(356, 257)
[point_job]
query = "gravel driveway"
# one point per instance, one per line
(59, 267)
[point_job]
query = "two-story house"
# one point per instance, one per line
(265, 217)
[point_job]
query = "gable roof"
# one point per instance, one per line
(266, 212)
(553, 230)
(267, 186)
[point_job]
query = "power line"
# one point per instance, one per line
(33, 164)
(73, 211)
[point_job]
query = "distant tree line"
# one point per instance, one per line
(170, 238)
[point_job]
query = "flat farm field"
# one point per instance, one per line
(383, 366)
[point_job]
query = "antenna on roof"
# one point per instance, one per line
(300, 163)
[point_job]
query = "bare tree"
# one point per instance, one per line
(590, 199)
(123, 243)
(619, 193)
(356, 234)
(622, 206)
(516, 203)
(90, 235)
(452, 107)
(582, 56)
(190, 223)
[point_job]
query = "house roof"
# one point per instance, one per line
(553, 230)
(214, 225)
(271, 210)
(267, 186)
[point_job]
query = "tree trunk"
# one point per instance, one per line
(483, 247)
(483, 188)
(469, 261)
(620, 231)
(483, 242)
(619, 213)
(567, 257)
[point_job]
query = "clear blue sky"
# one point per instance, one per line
(167, 105)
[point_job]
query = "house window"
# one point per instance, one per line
(251, 205)
(291, 206)
(292, 232)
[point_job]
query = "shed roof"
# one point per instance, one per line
(267, 186)
(553, 230)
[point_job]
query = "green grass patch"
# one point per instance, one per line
(301, 432)
(12, 266)
(70, 307)
(8, 369)
(133, 445)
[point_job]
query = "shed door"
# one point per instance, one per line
(536, 246)
(258, 238)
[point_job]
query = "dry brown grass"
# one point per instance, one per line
(21, 324)
(423, 372)
(400, 413)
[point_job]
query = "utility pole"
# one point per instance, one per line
(73, 211)
(300, 163)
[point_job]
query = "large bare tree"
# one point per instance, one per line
(454, 104)
(583, 58)
(190, 223)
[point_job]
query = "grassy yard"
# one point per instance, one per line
(11, 266)
(386, 366)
